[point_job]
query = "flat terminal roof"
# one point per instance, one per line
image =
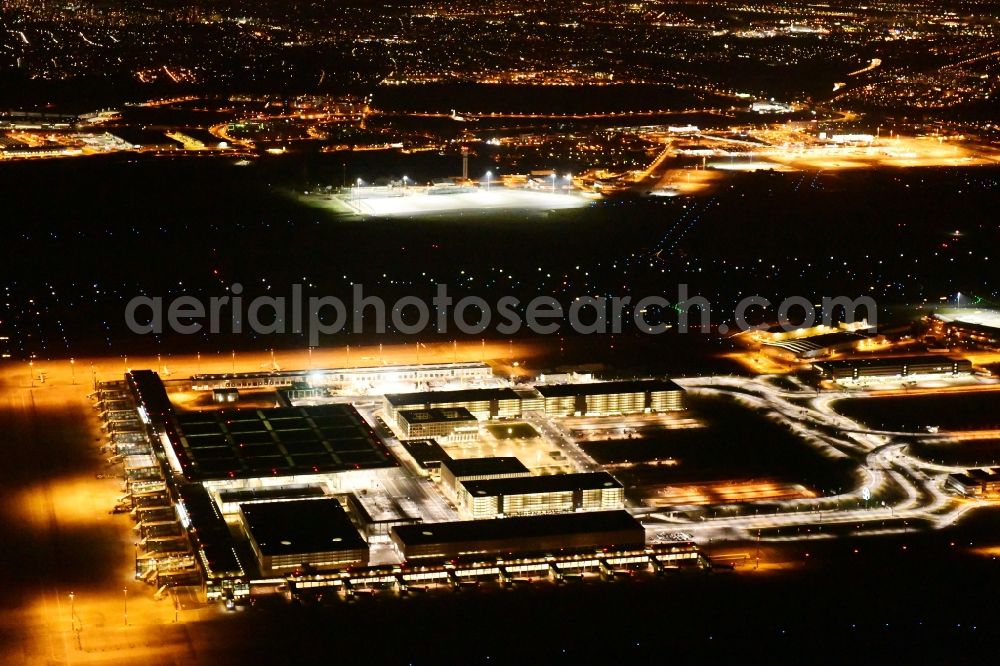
(252, 443)
(520, 527)
(549, 483)
(265, 494)
(461, 467)
(439, 415)
(463, 395)
(607, 388)
(964, 479)
(984, 475)
(301, 526)
(210, 531)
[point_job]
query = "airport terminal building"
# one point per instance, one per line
(302, 534)
(557, 533)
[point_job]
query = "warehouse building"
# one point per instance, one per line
(302, 534)
(450, 424)
(892, 366)
(555, 493)
(604, 398)
(556, 533)
(454, 472)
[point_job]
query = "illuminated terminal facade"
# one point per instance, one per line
(555, 493)
(344, 377)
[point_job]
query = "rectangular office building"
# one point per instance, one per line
(452, 424)
(891, 367)
(606, 398)
(555, 493)
(484, 403)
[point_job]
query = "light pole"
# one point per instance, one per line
(31, 373)
(72, 371)
(489, 176)
(405, 181)
(125, 602)
(74, 621)
(569, 179)
(553, 182)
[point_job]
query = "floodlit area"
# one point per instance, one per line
(415, 202)
(896, 151)
(989, 318)
(685, 181)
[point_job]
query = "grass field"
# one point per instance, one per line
(971, 452)
(738, 443)
(961, 411)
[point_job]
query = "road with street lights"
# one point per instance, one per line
(893, 485)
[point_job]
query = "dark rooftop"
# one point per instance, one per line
(606, 388)
(540, 527)
(444, 414)
(484, 466)
(209, 531)
(301, 526)
(263, 494)
(427, 452)
(550, 483)
(280, 441)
